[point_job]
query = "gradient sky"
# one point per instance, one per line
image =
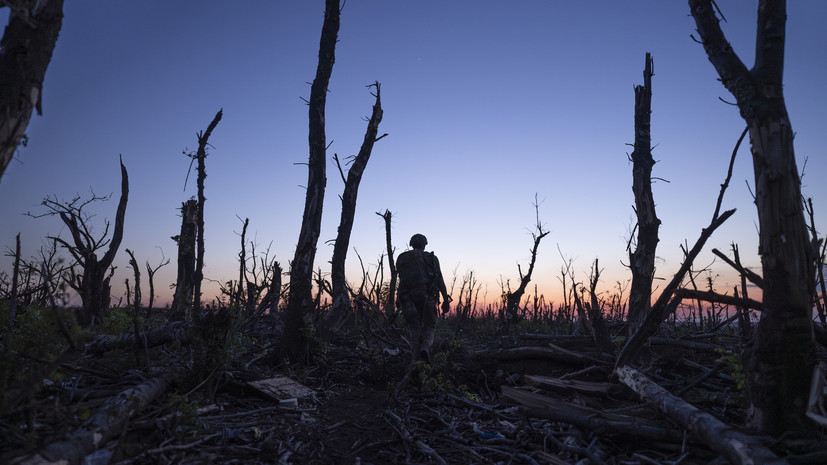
(486, 103)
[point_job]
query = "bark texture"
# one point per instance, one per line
(201, 156)
(642, 259)
(185, 282)
(25, 52)
(341, 295)
(781, 360)
(300, 298)
(739, 448)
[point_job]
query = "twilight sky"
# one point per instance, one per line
(486, 103)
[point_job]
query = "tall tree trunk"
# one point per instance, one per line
(300, 299)
(185, 282)
(341, 297)
(642, 260)
(780, 362)
(201, 155)
(25, 52)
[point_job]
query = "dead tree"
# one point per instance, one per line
(14, 283)
(93, 283)
(242, 266)
(185, 282)
(512, 299)
(341, 295)
(781, 360)
(25, 52)
(150, 276)
(390, 304)
(601, 334)
(642, 259)
(200, 156)
(300, 299)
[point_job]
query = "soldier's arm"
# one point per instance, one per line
(440, 282)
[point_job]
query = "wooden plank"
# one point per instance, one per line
(281, 387)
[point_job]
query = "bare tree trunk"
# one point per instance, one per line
(25, 52)
(93, 286)
(150, 272)
(601, 335)
(185, 282)
(201, 155)
(781, 360)
(242, 266)
(136, 309)
(391, 303)
(512, 299)
(14, 284)
(300, 299)
(341, 296)
(642, 260)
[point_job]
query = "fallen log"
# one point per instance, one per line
(737, 447)
(539, 406)
(102, 426)
(175, 331)
(585, 387)
(554, 354)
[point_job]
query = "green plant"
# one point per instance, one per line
(735, 364)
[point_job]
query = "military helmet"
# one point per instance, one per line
(418, 241)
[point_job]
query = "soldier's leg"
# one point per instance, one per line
(429, 318)
(413, 320)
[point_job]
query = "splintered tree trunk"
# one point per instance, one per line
(341, 297)
(185, 282)
(512, 299)
(201, 155)
(642, 260)
(780, 362)
(300, 299)
(390, 304)
(25, 52)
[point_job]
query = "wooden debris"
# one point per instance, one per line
(107, 422)
(281, 387)
(585, 387)
(738, 447)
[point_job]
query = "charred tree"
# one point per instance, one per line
(185, 282)
(642, 259)
(93, 283)
(150, 276)
(201, 155)
(242, 267)
(341, 295)
(390, 304)
(512, 299)
(14, 283)
(602, 340)
(300, 298)
(780, 362)
(25, 52)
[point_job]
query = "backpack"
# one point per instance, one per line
(416, 275)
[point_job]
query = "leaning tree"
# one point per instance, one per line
(25, 52)
(300, 297)
(780, 362)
